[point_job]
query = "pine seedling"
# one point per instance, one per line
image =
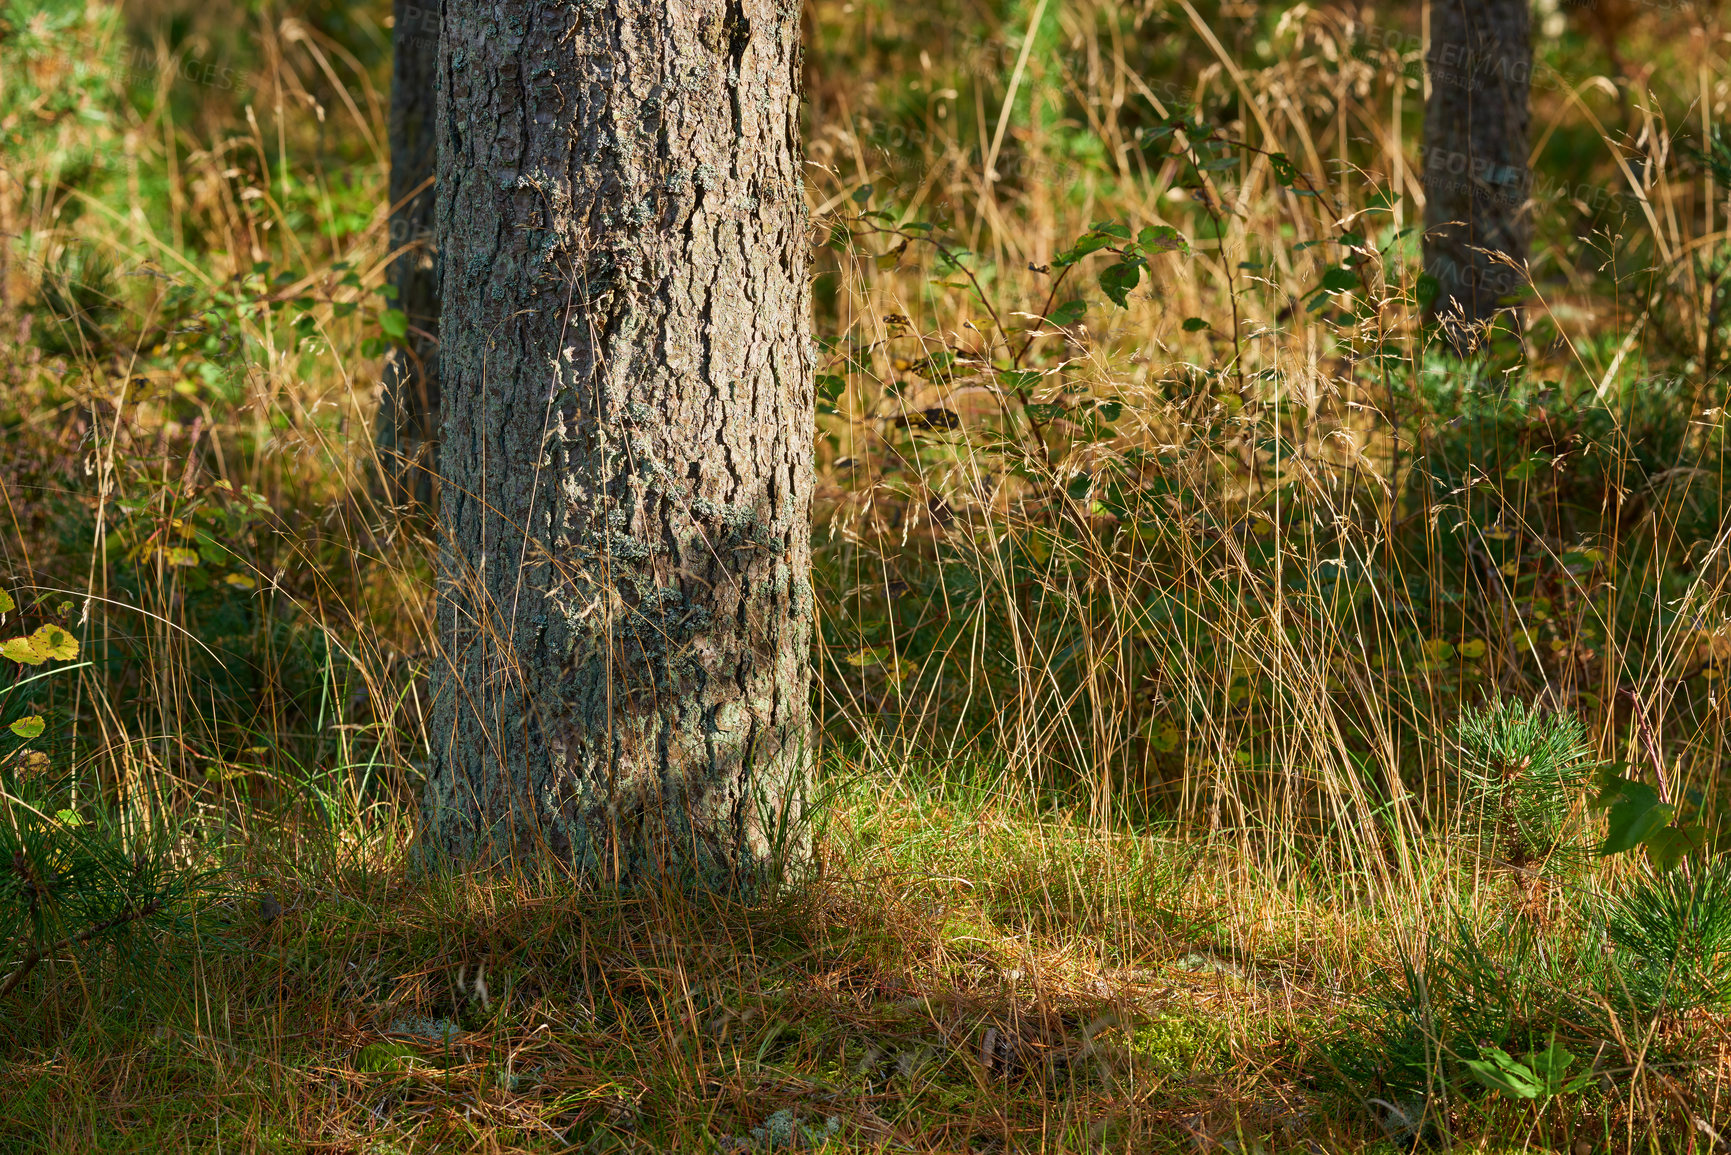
(70, 882)
(1673, 934)
(1524, 773)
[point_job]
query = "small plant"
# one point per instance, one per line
(1673, 934)
(71, 881)
(1524, 772)
(1541, 1075)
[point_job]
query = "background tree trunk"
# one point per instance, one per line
(1475, 159)
(625, 601)
(407, 431)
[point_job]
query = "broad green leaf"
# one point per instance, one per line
(1117, 280)
(1668, 845)
(1194, 324)
(1338, 280)
(1091, 242)
(1068, 313)
(68, 818)
(1162, 239)
(1502, 1072)
(1551, 1063)
(1636, 814)
(395, 323)
(28, 728)
(7, 605)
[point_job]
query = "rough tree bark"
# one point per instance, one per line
(1475, 160)
(407, 431)
(625, 602)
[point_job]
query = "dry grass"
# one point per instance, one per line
(1139, 795)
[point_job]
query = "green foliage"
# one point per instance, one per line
(80, 881)
(1541, 1075)
(1523, 773)
(1672, 931)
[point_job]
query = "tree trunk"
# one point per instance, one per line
(1475, 161)
(625, 604)
(407, 433)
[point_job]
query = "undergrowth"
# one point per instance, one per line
(1244, 725)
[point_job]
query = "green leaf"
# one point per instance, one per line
(1089, 242)
(1109, 410)
(1068, 313)
(1079, 486)
(1668, 845)
(1502, 1072)
(1551, 1063)
(830, 385)
(395, 323)
(1043, 413)
(7, 605)
(1285, 172)
(1117, 280)
(1338, 280)
(1194, 324)
(1636, 813)
(1162, 239)
(862, 194)
(28, 728)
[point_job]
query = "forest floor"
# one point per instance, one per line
(954, 971)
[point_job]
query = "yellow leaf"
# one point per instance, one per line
(20, 650)
(1473, 649)
(28, 728)
(1439, 650)
(54, 642)
(7, 605)
(239, 581)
